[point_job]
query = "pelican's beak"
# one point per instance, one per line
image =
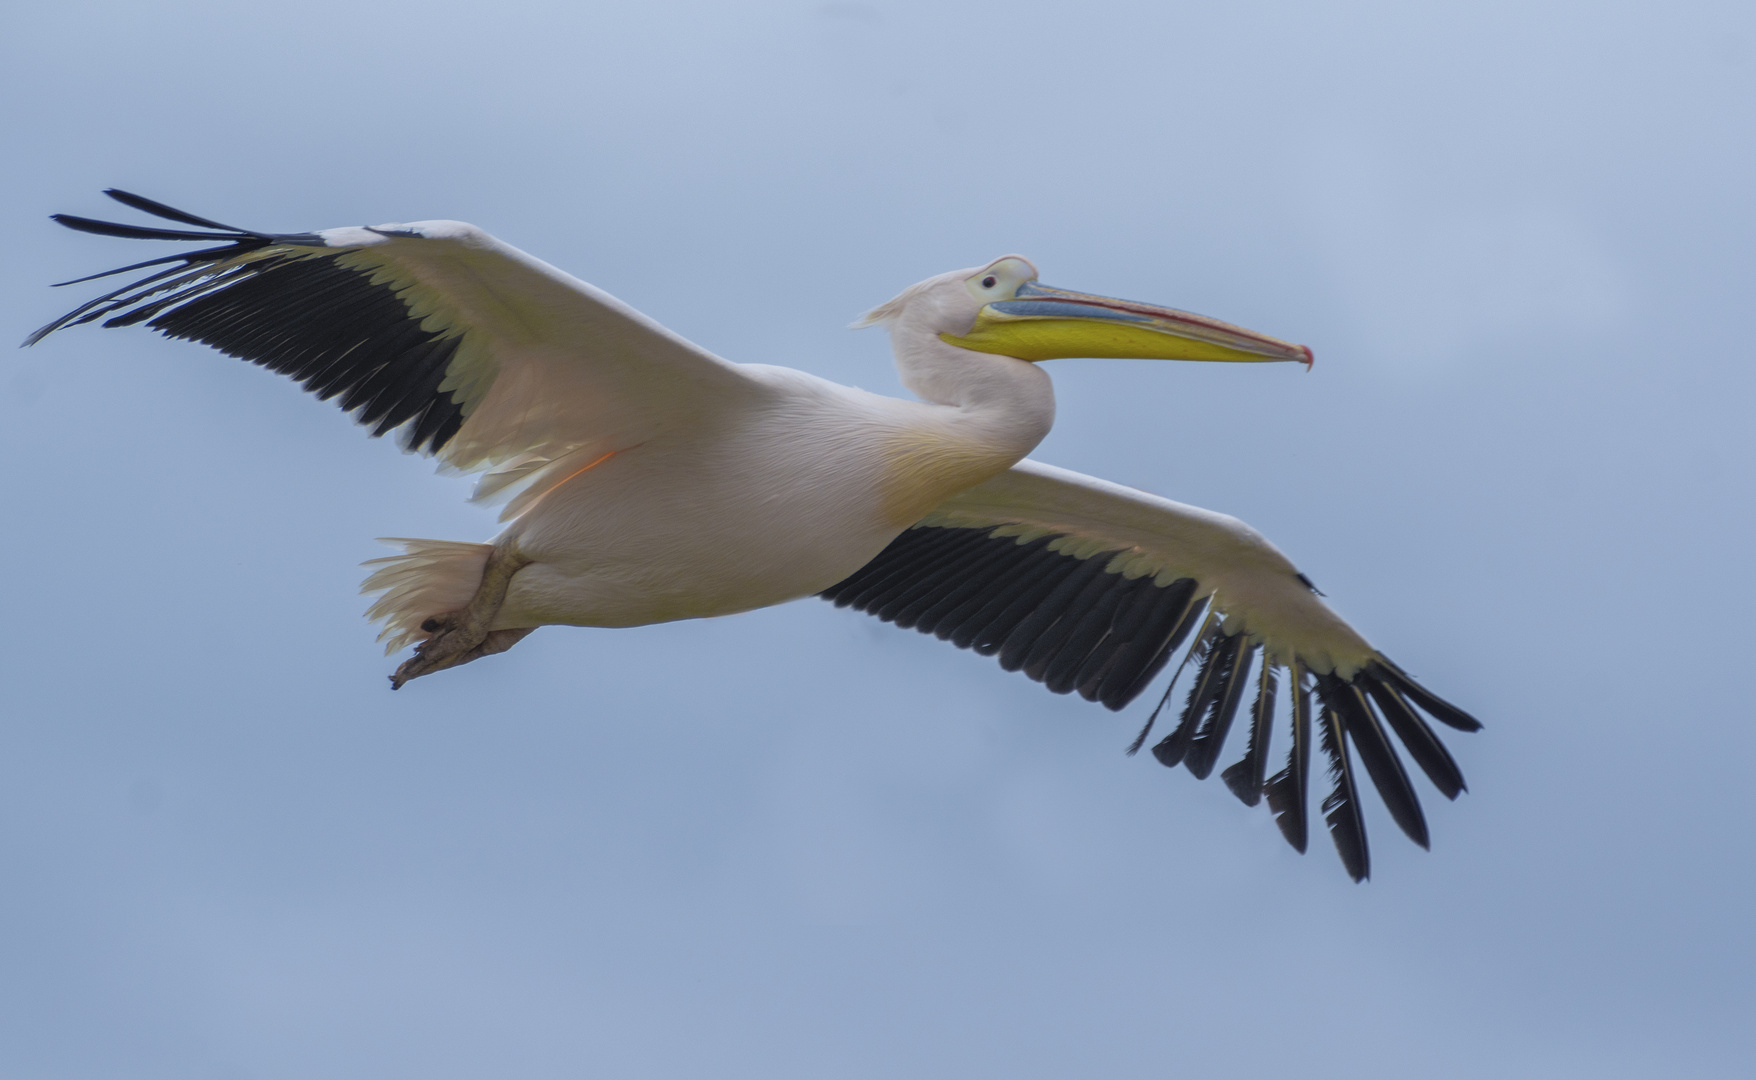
(1043, 323)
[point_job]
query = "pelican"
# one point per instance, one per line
(645, 480)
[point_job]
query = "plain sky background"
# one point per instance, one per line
(1521, 238)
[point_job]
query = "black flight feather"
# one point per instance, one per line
(1194, 648)
(1347, 827)
(975, 604)
(1423, 745)
(994, 624)
(144, 311)
(952, 565)
(292, 309)
(170, 213)
(1204, 653)
(1128, 606)
(150, 285)
(966, 590)
(1146, 653)
(136, 232)
(898, 565)
(1382, 764)
(225, 251)
(1210, 738)
(1080, 626)
(1437, 707)
(1245, 778)
(1044, 615)
(1067, 622)
(1088, 639)
(1286, 789)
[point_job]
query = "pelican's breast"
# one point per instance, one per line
(926, 463)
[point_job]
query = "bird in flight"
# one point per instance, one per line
(645, 479)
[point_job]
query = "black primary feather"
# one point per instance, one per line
(290, 308)
(1423, 745)
(167, 280)
(1341, 809)
(189, 258)
(135, 232)
(1245, 777)
(1286, 789)
(170, 213)
(1194, 652)
(1170, 749)
(1210, 737)
(1382, 764)
(1437, 707)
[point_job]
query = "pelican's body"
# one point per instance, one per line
(648, 480)
(792, 495)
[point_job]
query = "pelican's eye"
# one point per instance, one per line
(999, 280)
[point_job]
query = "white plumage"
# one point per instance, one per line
(645, 480)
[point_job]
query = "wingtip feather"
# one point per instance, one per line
(1436, 706)
(170, 213)
(1341, 809)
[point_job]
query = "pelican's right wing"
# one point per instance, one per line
(479, 353)
(1091, 586)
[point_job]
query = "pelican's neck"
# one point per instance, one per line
(998, 401)
(983, 413)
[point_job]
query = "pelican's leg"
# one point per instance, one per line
(463, 635)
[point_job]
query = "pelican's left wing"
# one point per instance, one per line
(1091, 586)
(479, 353)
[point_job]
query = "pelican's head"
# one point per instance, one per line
(1002, 308)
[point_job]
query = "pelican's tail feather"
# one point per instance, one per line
(429, 578)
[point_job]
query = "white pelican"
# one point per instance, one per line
(648, 480)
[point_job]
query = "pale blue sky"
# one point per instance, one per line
(800, 843)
